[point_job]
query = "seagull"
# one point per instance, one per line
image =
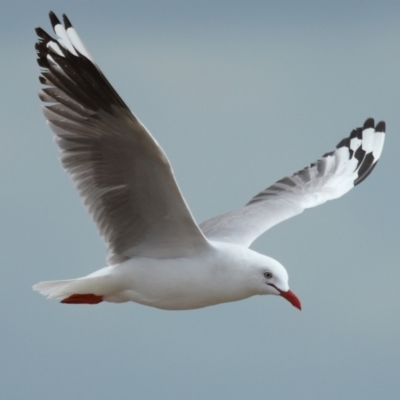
(157, 254)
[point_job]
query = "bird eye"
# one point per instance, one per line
(268, 275)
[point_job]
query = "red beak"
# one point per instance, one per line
(291, 298)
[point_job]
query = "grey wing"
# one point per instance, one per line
(120, 171)
(330, 177)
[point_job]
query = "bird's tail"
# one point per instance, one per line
(72, 291)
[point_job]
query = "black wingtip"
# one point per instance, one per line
(67, 22)
(344, 142)
(54, 20)
(381, 127)
(40, 32)
(369, 123)
(356, 133)
(366, 174)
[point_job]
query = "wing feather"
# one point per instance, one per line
(119, 170)
(330, 177)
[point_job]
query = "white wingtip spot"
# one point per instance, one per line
(77, 43)
(64, 39)
(368, 139)
(355, 143)
(55, 47)
(378, 144)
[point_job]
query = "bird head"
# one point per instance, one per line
(274, 280)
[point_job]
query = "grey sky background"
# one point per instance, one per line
(239, 94)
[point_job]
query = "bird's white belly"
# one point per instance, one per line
(173, 284)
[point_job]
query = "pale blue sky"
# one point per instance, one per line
(239, 94)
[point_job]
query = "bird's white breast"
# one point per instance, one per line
(211, 277)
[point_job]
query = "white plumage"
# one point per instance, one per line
(158, 255)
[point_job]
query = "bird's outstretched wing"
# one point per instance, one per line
(330, 177)
(120, 171)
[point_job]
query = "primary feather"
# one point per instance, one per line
(120, 171)
(333, 175)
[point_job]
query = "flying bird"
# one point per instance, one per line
(157, 254)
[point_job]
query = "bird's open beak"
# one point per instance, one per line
(291, 298)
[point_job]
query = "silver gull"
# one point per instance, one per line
(158, 255)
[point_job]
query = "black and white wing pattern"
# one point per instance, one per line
(120, 171)
(330, 177)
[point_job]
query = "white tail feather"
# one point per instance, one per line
(63, 289)
(54, 289)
